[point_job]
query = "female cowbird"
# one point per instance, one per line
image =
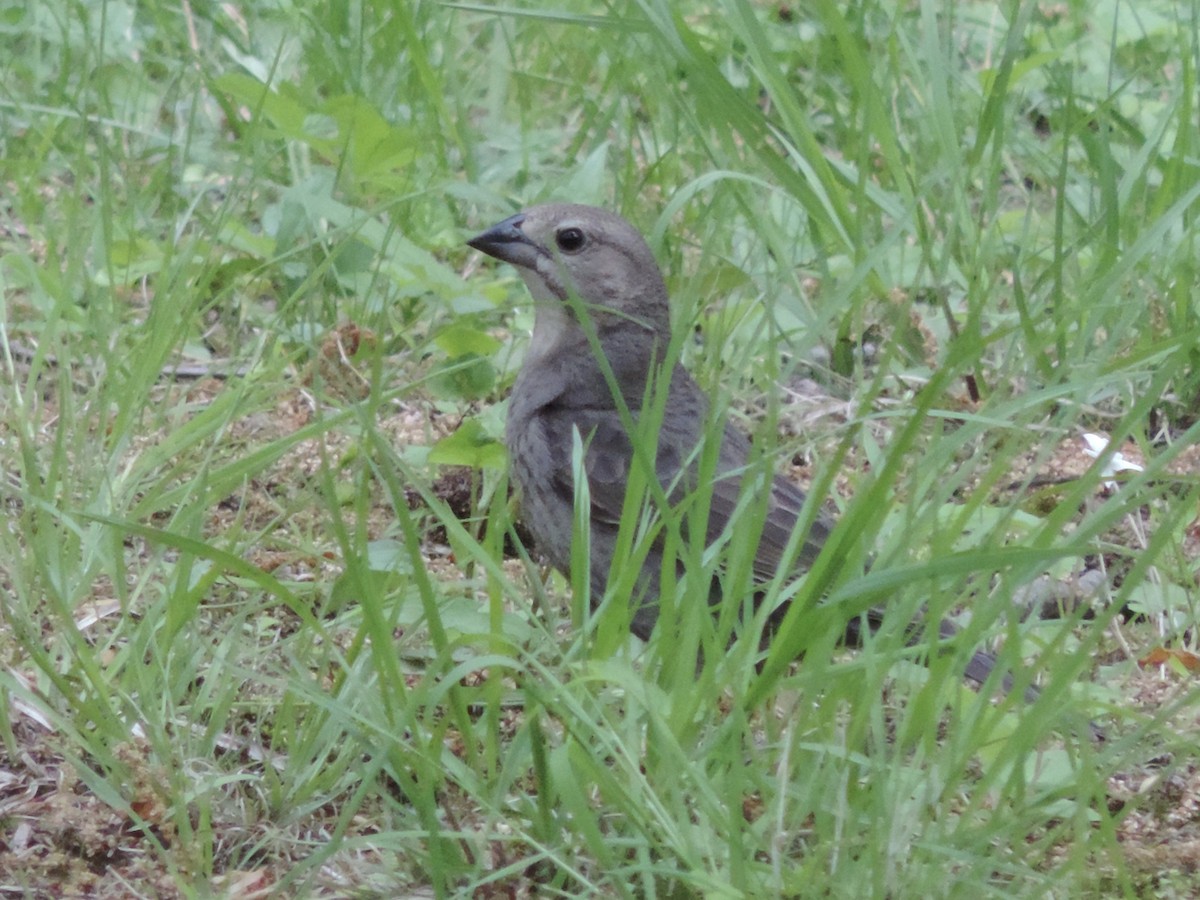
(599, 293)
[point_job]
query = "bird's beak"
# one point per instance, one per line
(507, 242)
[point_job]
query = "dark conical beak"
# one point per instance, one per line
(507, 242)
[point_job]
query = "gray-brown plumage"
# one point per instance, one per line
(578, 258)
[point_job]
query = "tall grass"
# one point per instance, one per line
(249, 631)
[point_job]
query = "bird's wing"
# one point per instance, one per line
(609, 452)
(783, 508)
(608, 460)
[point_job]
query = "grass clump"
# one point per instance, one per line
(266, 625)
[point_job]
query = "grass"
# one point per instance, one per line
(260, 632)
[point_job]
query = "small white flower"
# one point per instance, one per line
(1118, 463)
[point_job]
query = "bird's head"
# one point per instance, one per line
(569, 252)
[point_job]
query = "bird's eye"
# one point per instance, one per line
(569, 240)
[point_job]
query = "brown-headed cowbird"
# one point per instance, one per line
(596, 284)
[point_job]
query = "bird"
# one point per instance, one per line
(601, 338)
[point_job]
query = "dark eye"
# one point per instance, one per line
(569, 240)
